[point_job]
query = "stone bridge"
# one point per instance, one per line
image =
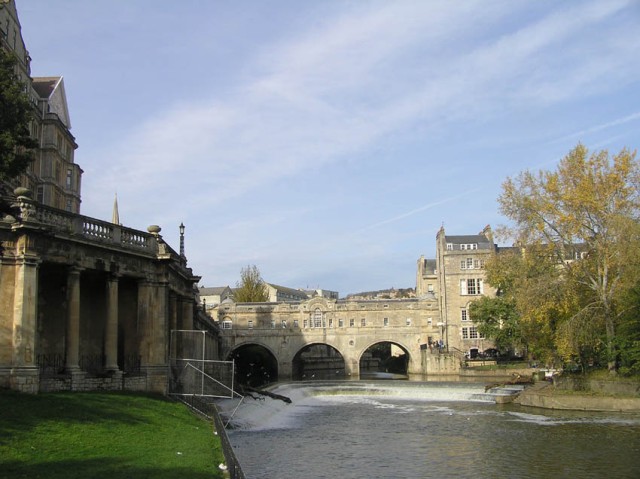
(349, 328)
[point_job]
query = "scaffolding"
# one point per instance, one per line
(193, 371)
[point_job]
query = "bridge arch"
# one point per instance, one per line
(255, 364)
(318, 360)
(384, 358)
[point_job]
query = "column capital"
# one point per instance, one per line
(75, 269)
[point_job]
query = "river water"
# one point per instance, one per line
(402, 429)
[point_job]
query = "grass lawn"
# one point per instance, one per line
(104, 435)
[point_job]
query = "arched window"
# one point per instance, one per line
(316, 320)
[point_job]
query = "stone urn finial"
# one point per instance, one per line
(154, 230)
(21, 191)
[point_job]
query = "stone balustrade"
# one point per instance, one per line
(89, 229)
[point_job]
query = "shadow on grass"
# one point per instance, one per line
(21, 412)
(99, 469)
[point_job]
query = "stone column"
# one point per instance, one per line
(111, 330)
(73, 320)
(187, 314)
(144, 288)
(173, 312)
(24, 371)
(153, 330)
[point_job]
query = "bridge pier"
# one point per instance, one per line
(285, 371)
(351, 368)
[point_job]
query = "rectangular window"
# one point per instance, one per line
(449, 246)
(250, 324)
(464, 315)
(331, 322)
(473, 332)
(471, 286)
(273, 324)
(463, 264)
(226, 324)
(284, 324)
(465, 333)
(317, 323)
(408, 321)
(69, 177)
(304, 323)
(469, 263)
(430, 288)
(385, 321)
(352, 322)
(295, 323)
(341, 323)
(363, 322)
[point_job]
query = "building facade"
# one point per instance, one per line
(460, 279)
(437, 321)
(54, 177)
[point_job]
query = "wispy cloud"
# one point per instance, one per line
(332, 90)
(341, 87)
(601, 127)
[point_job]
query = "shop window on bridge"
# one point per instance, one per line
(385, 321)
(363, 322)
(250, 324)
(341, 323)
(317, 320)
(296, 324)
(352, 323)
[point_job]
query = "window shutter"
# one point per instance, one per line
(480, 286)
(463, 286)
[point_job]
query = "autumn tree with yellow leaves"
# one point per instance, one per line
(584, 219)
(251, 288)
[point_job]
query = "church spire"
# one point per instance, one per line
(115, 217)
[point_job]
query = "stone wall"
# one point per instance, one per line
(600, 386)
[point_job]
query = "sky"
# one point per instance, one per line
(327, 142)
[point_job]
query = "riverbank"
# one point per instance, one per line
(546, 395)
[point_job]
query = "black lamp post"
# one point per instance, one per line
(181, 239)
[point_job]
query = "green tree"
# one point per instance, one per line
(16, 144)
(584, 218)
(529, 303)
(498, 319)
(251, 287)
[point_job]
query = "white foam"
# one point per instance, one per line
(271, 413)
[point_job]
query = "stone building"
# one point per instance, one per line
(211, 297)
(84, 303)
(54, 176)
(459, 270)
(88, 304)
(435, 326)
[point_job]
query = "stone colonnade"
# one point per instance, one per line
(144, 333)
(87, 304)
